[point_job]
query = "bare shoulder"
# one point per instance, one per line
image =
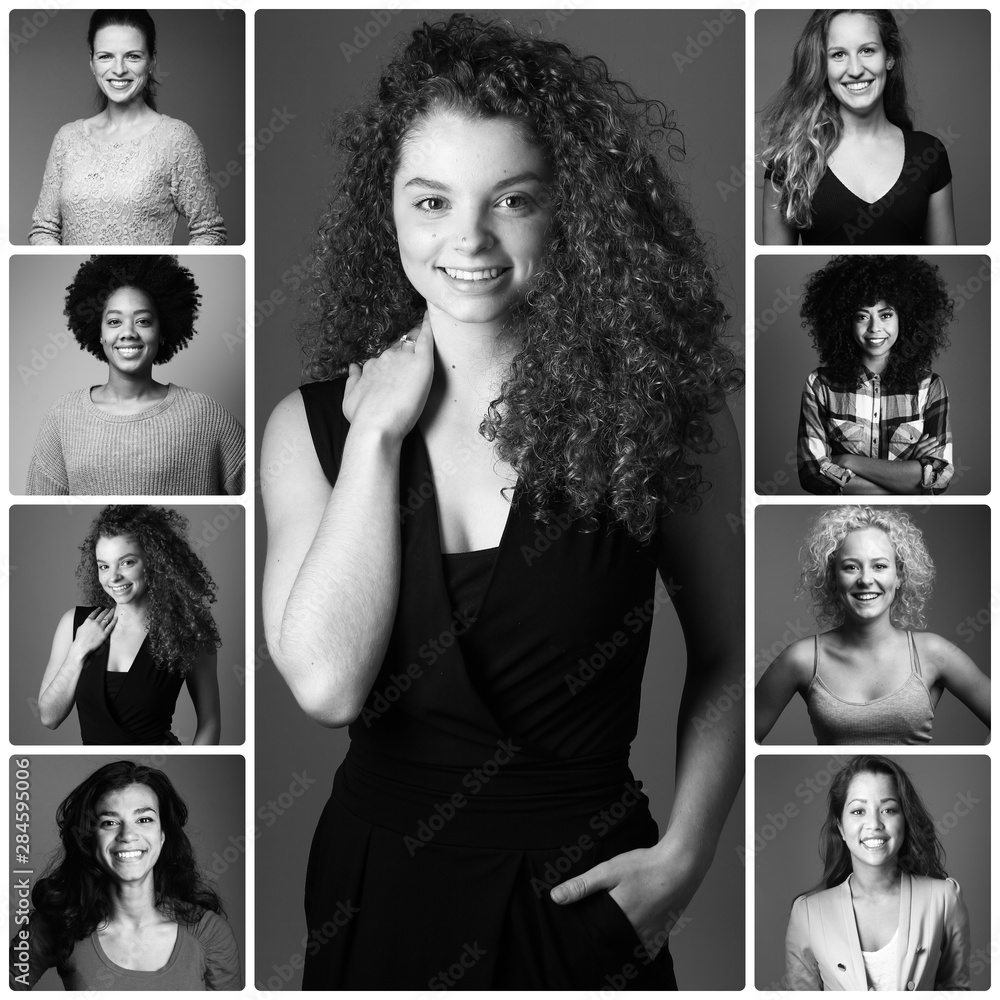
(935, 650)
(290, 471)
(797, 660)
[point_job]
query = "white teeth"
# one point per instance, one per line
(490, 272)
(873, 843)
(128, 855)
(858, 87)
(122, 588)
(865, 597)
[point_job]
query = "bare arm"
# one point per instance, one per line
(958, 673)
(66, 661)
(788, 673)
(203, 686)
(775, 230)
(939, 229)
(331, 577)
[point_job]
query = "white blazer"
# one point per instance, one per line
(823, 951)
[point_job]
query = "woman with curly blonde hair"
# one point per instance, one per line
(872, 678)
(461, 514)
(844, 164)
(144, 629)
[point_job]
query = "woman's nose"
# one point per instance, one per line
(472, 235)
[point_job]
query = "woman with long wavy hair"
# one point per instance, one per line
(874, 417)
(123, 906)
(126, 175)
(144, 630)
(516, 335)
(843, 162)
(874, 677)
(885, 915)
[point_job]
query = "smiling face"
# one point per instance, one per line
(875, 330)
(121, 63)
(865, 574)
(129, 836)
(121, 569)
(130, 331)
(872, 823)
(856, 62)
(470, 204)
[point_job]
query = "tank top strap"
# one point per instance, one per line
(914, 657)
(815, 658)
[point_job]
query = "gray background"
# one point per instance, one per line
(957, 538)
(293, 176)
(46, 361)
(44, 553)
(948, 79)
(787, 862)
(212, 789)
(784, 355)
(201, 67)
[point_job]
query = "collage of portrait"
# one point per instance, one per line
(462, 435)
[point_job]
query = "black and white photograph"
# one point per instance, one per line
(114, 611)
(127, 375)
(127, 127)
(878, 375)
(879, 619)
(520, 266)
(864, 138)
(872, 872)
(129, 873)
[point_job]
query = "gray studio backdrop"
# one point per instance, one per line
(960, 609)
(212, 788)
(694, 62)
(44, 553)
(954, 106)
(46, 361)
(201, 67)
(791, 807)
(784, 356)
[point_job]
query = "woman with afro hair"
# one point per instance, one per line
(844, 165)
(874, 417)
(134, 436)
(873, 678)
(123, 905)
(518, 415)
(143, 631)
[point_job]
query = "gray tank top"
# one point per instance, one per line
(903, 717)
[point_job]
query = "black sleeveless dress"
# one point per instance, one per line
(137, 709)
(490, 762)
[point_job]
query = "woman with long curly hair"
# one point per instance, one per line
(134, 436)
(874, 417)
(123, 906)
(873, 678)
(885, 915)
(843, 162)
(520, 416)
(144, 629)
(126, 175)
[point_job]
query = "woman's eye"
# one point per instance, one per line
(430, 204)
(514, 201)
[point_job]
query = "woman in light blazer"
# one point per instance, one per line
(885, 915)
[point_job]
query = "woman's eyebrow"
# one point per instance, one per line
(521, 178)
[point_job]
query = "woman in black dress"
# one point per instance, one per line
(144, 630)
(844, 164)
(464, 533)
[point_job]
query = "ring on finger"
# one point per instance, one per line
(407, 339)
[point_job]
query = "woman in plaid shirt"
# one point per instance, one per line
(874, 417)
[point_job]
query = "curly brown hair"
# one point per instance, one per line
(178, 621)
(621, 359)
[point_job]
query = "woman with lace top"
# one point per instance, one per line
(125, 176)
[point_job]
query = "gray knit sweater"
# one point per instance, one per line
(187, 444)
